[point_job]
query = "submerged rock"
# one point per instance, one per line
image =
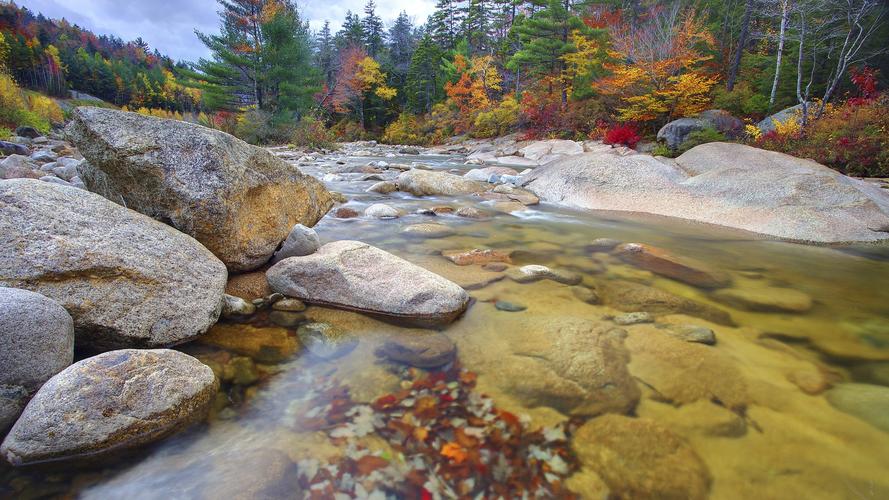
(640, 458)
(867, 402)
(427, 350)
(428, 230)
(356, 276)
(325, 341)
(635, 297)
(126, 279)
(634, 318)
(37, 336)
(429, 182)
(765, 299)
(116, 400)
(266, 345)
(661, 262)
(725, 184)
(383, 187)
(534, 272)
(693, 333)
(239, 200)
(235, 307)
(477, 256)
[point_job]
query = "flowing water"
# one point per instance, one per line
(766, 412)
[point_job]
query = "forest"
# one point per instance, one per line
(615, 71)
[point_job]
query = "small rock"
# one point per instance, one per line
(26, 131)
(324, 341)
(693, 333)
(496, 267)
(533, 272)
(442, 209)
(867, 402)
(633, 318)
(287, 319)
(765, 299)
(234, 307)
(602, 245)
(265, 345)
(428, 182)
(345, 213)
(240, 370)
(469, 213)
(44, 156)
(478, 256)
(381, 211)
(426, 350)
(289, 305)
(301, 241)
(585, 294)
(19, 167)
(812, 380)
(503, 305)
(118, 399)
(11, 148)
(55, 180)
(409, 151)
(383, 187)
(428, 230)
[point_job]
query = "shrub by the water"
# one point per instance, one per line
(18, 108)
(405, 130)
(500, 120)
(310, 133)
(623, 135)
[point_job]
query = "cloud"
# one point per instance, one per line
(169, 25)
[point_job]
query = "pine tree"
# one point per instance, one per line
(290, 78)
(373, 30)
(444, 24)
(425, 78)
(476, 26)
(545, 38)
(352, 32)
(402, 43)
(325, 53)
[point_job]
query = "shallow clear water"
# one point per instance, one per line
(752, 411)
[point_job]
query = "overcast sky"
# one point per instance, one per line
(169, 25)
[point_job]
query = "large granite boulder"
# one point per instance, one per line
(126, 279)
(725, 184)
(544, 151)
(430, 183)
(37, 336)
(113, 401)
(238, 200)
(767, 124)
(356, 276)
(19, 167)
(675, 132)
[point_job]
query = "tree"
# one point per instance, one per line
(351, 33)
(444, 24)
(372, 26)
(325, 53)
(546, 40)
(359, 76)
(742, 44)
(785, 6)
(425, 79)
(402, 44)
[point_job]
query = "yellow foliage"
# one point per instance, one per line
(404, 130)
(497, 121)
(11, 97)
(46, 108)
(589, 54)
(752, 131)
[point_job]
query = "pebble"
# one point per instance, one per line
(603, 245)
(381, 211)
(503, 305)
(693, 333)
(324, 341)
(633, 318)
(585, 294)
(286, 319)
(289, 305)
(533, 272)
(235, 306)
(345, 213)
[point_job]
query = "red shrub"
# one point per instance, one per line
(625, 135)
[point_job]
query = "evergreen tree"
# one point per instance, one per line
(545, 39)
(373, 30)
(476, 26)
(352, 32)
(290, 78)
(425, 78)
(402, 43)
(325, 54)
(445, 23)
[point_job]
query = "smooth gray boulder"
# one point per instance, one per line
(13, 399)
(725, 184)
(113, 401)
(19, 167)
(301, 241)
(11, 148)
(37, 335)
(675, 132)
(429, 183)
(356, 276)
(238, 200)
(126, 279)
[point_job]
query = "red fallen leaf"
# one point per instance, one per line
(468, 378)
(425, 495)
(370, 463)
(384, 402)
(447, 398)
(510, 420)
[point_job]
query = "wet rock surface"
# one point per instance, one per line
(116, 400)
(423, 350)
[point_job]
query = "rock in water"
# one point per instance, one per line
(867, 402)
(325, 341)
(421, 350)
(662, 262)
(116, 400)
(126, 279)
(429, 182)
(356, 276)
(765, 299)
(240, 201)
(301, 241)
(640, 458)
(37, 336)
(730, 185)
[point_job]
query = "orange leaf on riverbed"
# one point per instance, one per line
(454, 452)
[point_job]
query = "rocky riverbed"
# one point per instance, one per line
(439, 330)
